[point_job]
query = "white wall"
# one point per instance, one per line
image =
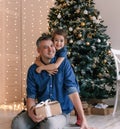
(110, 12)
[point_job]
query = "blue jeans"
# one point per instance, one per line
(23, 121)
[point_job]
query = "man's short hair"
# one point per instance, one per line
(44, 36)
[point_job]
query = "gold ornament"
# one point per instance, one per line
(109, 52)
(105, 61)
(78, 11)
(77, 28)
(82, 24)
(64, 5)
(80, 35)
(100, 75)
(75, 31)
(87, 43)
(70, 41)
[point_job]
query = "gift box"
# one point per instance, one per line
(84, 104)
(97, 111)
(102, 109)
(87, 110)
(48, 108)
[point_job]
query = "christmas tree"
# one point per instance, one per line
(89, 47)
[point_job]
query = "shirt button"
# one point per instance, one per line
(50, 95)
(50, 85)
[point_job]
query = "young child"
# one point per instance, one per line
(59, 38)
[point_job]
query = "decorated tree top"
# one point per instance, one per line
(89, 47)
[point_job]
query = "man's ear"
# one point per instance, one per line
(38, 50)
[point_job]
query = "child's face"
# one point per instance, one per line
(59, 41)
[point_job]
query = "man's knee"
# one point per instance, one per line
(15, 123)
(56, 122)
(22, 121)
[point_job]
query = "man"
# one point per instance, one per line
(61, 86)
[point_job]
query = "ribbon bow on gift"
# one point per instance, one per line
(101, 106)
(47, 107)
(43, 103)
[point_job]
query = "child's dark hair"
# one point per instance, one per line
(44, 36)
(60, 32)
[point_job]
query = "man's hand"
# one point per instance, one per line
(34, 117)
(85, 126)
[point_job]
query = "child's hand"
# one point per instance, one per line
(38, 70)
(52, 72)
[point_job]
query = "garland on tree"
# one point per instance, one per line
(89, 47)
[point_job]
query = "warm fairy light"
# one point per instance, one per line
(17, 2)
(15, 75)
(15, 82)
(16, 52)
(16, 90)
(20, 31)
(8, 2)
(15, 97)
(13, 107)
(24, 86)
(31, 5)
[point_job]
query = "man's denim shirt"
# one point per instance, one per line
(43, 86)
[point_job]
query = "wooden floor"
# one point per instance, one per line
(99, 121)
